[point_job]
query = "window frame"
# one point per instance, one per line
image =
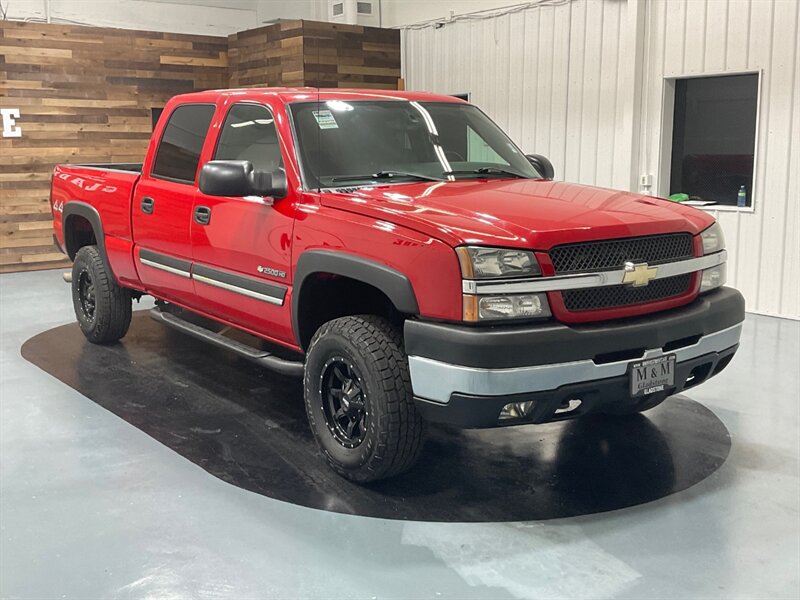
(664, 167)
(192, 182)
(250, 103)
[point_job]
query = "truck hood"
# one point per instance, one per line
(519, 212)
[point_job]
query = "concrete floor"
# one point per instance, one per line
(91, 507)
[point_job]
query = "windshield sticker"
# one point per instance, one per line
(325, 119)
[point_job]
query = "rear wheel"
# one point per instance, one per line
(359, 401)
(103, 308)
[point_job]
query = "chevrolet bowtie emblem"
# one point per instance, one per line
(639, 274)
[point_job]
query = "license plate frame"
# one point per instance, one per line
(651, 375)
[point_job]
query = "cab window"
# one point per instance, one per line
(249, 134)
(179, 150)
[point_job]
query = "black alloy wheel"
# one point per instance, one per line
(344, 402)
(86, 295)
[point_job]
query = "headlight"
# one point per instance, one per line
(490, 263)
(713, 278)
(713, 242)
(479, 263)
(713, 239)
(511, 306)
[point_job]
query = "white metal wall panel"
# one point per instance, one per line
(561, 80)
(549, 76)
(695, 37)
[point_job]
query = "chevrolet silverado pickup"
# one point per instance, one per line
(404, 257)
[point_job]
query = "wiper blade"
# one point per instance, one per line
(487, 171)
(386, 175)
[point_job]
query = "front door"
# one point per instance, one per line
(242, 246)
(162, 205)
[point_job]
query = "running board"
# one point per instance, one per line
(260, 357)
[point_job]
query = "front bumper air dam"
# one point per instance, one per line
(466, 375)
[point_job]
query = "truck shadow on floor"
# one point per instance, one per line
(248, 427)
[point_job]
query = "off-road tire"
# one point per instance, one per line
(394, 431)
(112, 304)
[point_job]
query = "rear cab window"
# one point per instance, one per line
(178, 153)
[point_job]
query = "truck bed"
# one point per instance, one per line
(105, 190)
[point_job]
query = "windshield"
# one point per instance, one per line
(361, 142)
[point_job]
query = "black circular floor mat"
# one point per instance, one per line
(248, 427)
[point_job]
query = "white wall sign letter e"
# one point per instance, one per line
(10, 127)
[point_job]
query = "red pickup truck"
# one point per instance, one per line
(399, 252)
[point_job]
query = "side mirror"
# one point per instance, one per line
(239, 178)
(542, 164)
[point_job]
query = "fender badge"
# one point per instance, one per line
(271, 271)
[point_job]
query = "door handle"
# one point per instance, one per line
(202, 215)
(147, 205)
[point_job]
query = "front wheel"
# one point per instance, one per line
(103, 308)
(359, 401)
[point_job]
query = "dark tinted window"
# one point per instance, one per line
(155, 115)
(249, 134)
(179, 150)
(713, 139)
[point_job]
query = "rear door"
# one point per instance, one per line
(242, 246)
(162, 204)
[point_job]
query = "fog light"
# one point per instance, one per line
(515, 410)
(713, 278)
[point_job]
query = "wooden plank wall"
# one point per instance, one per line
(85, 95)
(352, 56)
(267, 56)
(297, 53)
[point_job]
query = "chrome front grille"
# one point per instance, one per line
(611, 255)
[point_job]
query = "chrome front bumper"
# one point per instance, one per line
(437, 381)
